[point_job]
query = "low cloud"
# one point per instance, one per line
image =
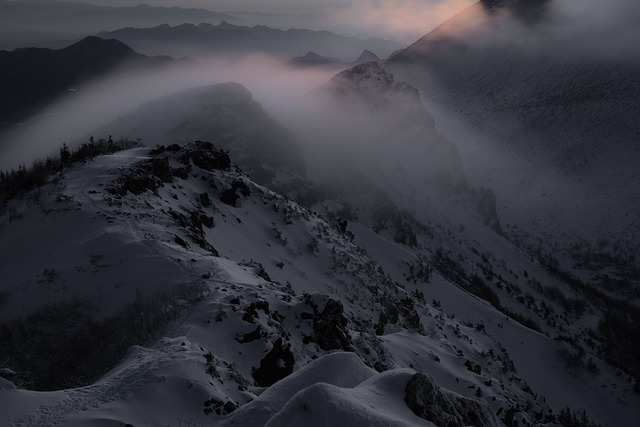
(71, 120)
(599, 28)
(405, 20)
(607, 30)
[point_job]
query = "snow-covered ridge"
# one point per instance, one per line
(270, 287)
(160, 197)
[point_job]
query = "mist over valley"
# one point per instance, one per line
(407, 213)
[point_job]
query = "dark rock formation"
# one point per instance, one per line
(329, 327)
(487, 209)
(276, 365)
(444, 408)
(148, 175)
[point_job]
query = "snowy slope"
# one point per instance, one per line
(544, 113)
(248, 301)
(224, 325)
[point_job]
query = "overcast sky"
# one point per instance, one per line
(276, 6)
(404, 20)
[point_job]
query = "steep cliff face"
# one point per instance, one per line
(392, 129)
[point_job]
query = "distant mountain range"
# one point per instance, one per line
(30, 78)
(205, 40)
(51, 23)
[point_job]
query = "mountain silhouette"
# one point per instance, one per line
(30, 78)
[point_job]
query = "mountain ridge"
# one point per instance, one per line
(226, 38)
(33, 77)
(405, 291)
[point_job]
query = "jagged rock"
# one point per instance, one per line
(382, 322)
(473, 367)
(393, 126)
(146, 176)
(444, 408)
(206, 157)
(251, 312)
(276, 365)
(230, 196)
(399, 312)
(182, 172)
(181, 242)
(214, 405)
(329, 327)
(207, 221)
(205, 200)
(161, 169)
(251, 336)
(368, 88)
(487, 209)
(192, 224)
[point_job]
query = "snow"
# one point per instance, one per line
(103, 247)
(377, 402)
(342, 370)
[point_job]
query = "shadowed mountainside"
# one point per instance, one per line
(30, 78)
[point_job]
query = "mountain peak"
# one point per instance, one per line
(96, 47)
(312, 59)
(312, 55)
(371, 89)
(69, 67)
(94, 41)
(224, 25)
(367, 56)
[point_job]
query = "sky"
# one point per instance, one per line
(274, 6)
(403, 20)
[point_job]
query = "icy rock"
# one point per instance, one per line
(329, 327)
(487, 209)
(276, 365)
(443, 408)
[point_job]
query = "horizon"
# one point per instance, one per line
(401, 20)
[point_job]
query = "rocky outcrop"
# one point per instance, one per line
(444, 408)
(329, 327)
(367, 89)
(276, 365)
(148, 175)
(395, 134)
(487, 209)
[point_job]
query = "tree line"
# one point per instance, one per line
(17, 182)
